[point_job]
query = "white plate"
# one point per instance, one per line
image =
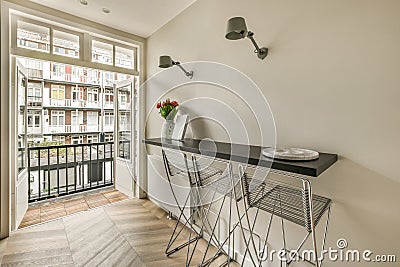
(290, 153)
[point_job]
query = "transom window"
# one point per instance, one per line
(65, 44)
(33, 36)
(102, 52)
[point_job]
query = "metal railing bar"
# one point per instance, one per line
(58, 171)
(97, 164)
(75, 168)
(39, 157)
(48, 171)
(29, 174)
(66, 170)
(90, 166)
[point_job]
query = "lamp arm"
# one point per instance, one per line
(250, 36)
(188, 73)
(261, 52)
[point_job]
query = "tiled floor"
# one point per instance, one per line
(49, 211)
(129, 233)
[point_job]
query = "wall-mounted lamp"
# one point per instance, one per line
(236, 29)
(167, 62)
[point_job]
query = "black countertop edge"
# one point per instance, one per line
(252, 155)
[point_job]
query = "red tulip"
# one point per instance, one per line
(174, 103)
(158, 105)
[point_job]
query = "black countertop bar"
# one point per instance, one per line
(247, 154)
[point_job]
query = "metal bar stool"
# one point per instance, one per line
(290, 200)
(176, 163)
(220, 187)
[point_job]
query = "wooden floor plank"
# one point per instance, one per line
(129, 233)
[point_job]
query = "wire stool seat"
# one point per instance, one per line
(289, 201)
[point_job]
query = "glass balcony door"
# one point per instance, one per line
(125, 143)
(19, 182)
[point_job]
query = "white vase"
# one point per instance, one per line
(168, 129)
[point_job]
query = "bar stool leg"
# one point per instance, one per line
(307, 188)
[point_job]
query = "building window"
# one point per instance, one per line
(108, 78)
(77, 94)
(58, 72)
(109, 118)
(33, 36)
(59, 139)
(76, 117)
(77, 139)
(93, 118)
(102, 52)
(92, 139)
(92, 95)
(57, 91)
(65, 44)
(108, 97)
(34, 119)
(34, 90)
(58, 117)
(124, 57)
(34, 94)
(108, 137)
(34, 67)
(122, 99)
(122, 77)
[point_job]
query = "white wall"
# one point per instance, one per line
(332, 79)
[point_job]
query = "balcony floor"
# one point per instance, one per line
(56, 209)
(128, 233)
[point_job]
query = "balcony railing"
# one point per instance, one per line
(34, 129)
(67, 169)
(34, 101)
(108, 105)
(51, 129)
(108, 128)
(55, 102)
(67, 77)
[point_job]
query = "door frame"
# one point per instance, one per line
(4, 124)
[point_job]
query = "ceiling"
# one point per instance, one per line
(140, 17)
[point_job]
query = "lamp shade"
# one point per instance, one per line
(165, 62)
(236, 28)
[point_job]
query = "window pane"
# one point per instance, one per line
(37, 121)
(33, 37)
(65, 44)
(124, 57)
(102, 52)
